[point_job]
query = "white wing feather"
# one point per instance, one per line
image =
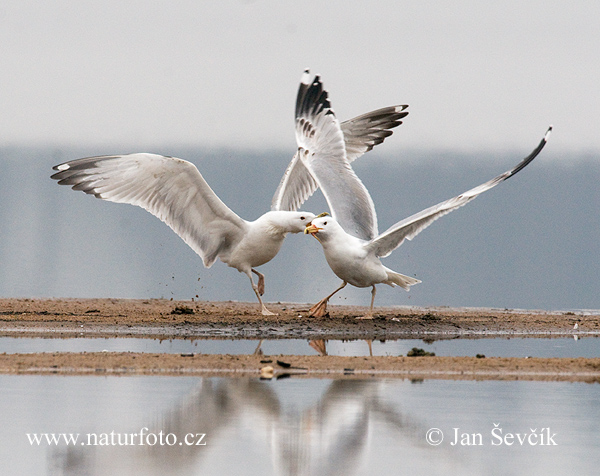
(296, 186)
(321, 149)
(361, 134)
(410, 227)
(171, 189)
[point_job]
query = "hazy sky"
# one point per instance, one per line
(484, 75)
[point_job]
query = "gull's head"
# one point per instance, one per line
(318, 225)
(298, 221)
(280, 221)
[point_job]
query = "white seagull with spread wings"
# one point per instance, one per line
(350, 239)
(173, 190)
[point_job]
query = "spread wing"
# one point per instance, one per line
(321, 149)
(296, 186)
(361, 134)
(169, 188)
(410, 227)
(364, 132)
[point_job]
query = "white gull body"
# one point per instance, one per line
(350, 239)
(173, 190)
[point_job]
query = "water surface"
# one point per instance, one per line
(297, 427)
(490, 347)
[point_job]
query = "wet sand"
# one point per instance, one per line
(160, 317)
(64, 318)
(120, 363)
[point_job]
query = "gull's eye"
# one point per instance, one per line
(324, 223)
(302, 218)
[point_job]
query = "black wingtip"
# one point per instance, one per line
(312, 97)
(527, 160)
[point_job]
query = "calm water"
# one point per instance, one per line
(491, 347)
(296, 427)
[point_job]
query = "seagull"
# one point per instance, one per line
(350, 239)
(359, 135)
(173, 190)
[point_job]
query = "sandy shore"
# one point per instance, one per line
(103, 363)
(158, 317)
(64, 318)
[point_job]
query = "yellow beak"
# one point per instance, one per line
(311, 229)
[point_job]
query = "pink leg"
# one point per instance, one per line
(263, 310)
(261, 282)
(369, 315)
(320, 309)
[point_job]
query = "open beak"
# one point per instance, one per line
(311, 229)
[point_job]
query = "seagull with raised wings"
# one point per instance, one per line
(173, 190)
(351, 242)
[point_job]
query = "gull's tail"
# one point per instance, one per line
(397, 279)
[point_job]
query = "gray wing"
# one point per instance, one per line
(169, 188)
(361, 134)
(364, 132)
(392, 238)
(322, 150)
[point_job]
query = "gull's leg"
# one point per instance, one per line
(261, 282)
(369, 315)
(320, 309)
(264, 311)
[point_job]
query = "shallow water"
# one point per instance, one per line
(491, 347)
(147, 425)
(304, 426)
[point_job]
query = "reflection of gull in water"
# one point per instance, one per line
(328, 436)
(320, 345)
(332, 437)
(350, 238)
(173, 190)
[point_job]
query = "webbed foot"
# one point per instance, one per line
(319, 309)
